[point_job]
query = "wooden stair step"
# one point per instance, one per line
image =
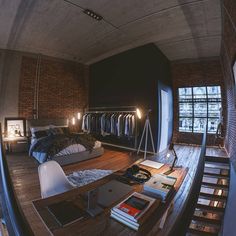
(206, 220)
(215, 186)
(215, 181)
(202, 213)
(204, 227)
(217, 165)
(207, 202)
(219, 176)
(216, 170)
(217, 159)
(200, 232)
(212, 197)
(209, 208)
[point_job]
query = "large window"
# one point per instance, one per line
(198, 105)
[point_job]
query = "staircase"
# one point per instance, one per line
(209, 210)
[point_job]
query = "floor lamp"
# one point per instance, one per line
(146, 130)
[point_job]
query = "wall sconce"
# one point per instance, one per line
(78, 115)
(73, 120)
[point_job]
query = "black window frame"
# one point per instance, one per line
(192, 101)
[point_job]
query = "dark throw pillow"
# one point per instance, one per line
(55, 131)
(41, 134)
(65, 130)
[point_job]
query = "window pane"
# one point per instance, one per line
(199, 125)
(185, 109)
(185, 94)
(200, 109)
(214, 92)
(206, 105)
(185, 124)
(214, 109)
(212, 125)
(199, 92)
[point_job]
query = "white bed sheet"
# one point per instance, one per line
(75, 148)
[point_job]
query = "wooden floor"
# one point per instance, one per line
(25, 180)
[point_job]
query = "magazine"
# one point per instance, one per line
(134, 207)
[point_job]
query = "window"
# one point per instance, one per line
(198, 105)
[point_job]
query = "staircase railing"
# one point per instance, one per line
(182, 223)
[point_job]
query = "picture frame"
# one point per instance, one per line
(15, 127)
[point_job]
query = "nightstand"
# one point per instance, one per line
(16, 144)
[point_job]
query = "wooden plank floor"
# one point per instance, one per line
(24, 174)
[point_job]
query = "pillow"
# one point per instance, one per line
(55, 131)
(57, 126)
(65, 130)
(38, 128)
(41, 133)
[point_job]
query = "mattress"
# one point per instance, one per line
(78, 157)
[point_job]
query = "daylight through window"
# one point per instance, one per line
(198, 105)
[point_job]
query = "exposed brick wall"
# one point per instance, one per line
(63, 88)
(26, 87)
(228, 56)
(195, 73)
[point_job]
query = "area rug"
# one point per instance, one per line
(83, 177)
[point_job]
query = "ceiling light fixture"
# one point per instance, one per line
(92, 14)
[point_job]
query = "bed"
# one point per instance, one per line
(51, 140)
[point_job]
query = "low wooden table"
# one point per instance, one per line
(103, 224)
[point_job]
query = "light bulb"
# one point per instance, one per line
(73, 121)
(139, 114)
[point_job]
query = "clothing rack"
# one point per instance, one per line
(109, 112)
(120, 109)
(105, 108)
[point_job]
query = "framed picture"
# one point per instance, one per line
(15, 127)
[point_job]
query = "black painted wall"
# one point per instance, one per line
(131, 79)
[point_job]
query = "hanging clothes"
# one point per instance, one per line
(115, 124)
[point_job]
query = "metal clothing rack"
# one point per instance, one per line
(111, 109)
(120, 109)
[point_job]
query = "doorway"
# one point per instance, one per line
(164, 120)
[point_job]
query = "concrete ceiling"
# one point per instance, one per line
(180, 28)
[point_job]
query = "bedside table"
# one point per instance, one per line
(16, 144)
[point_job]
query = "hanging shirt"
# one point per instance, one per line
(112, 124)
(83, 123)
(119, 125)
(126, 125)
(133, 125)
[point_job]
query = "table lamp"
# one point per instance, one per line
(171, 148)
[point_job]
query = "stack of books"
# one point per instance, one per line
(133, 210)
(159, 186)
